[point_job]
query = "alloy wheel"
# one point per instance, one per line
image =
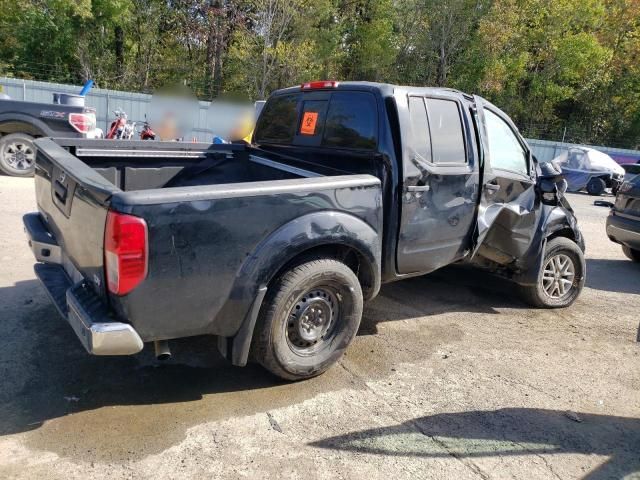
(19, 156)
(558, 276)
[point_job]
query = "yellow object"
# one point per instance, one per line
(244, 129)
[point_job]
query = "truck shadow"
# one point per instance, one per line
(47, 375)
(505, 432)
(452, 289)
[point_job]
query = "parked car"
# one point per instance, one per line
(274, 246)
(22, 122)
(589, 169)
(623, 222)
(630, 170)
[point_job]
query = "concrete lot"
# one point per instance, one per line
(450, 377)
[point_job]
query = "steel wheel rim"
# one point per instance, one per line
(312, 320)
(19, 155)
(557, 276)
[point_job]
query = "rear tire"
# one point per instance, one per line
(561, 277)
(631, 253)
(310, 316)
(17, 155)
(596, 187)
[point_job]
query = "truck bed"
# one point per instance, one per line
(215, 237)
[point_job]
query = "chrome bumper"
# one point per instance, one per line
(87, 314)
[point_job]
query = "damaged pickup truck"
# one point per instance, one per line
(273, 248)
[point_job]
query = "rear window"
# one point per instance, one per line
(351, 121)
(277, 121)
(328, 119)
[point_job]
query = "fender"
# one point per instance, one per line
(279, 248)
(37, 125)
(552, 220)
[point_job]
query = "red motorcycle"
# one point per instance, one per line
(147, 133)
(120, 129)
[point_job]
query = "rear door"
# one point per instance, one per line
(507, 209)
(440, 183)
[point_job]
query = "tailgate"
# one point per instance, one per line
(73, 201)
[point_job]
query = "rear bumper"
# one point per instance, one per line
(624, 231)
(90, 318)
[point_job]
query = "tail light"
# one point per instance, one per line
(319, 84)
(125, 252)
(83, 122)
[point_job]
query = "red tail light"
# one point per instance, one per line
(319, 84)
(82, 122)
(125, 252)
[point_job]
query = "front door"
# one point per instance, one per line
(507, 210)
(440, 184)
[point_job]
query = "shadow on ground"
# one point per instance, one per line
(47, 374)
(504, 432)
(621, 276)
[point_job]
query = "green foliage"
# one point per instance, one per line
(557, 66)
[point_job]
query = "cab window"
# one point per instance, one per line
(505, 151)
(278, 121)
(420, 128)
(351, 121)
(447, 141)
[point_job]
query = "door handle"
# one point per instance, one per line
(60, 191)
(418, 188)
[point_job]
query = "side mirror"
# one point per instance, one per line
(551, 183)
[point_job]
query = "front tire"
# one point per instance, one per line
(17, 155)
(310, 316)
(596, 187)
(631, 253)
(561, 278)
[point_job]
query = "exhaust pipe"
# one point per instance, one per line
(162, 350)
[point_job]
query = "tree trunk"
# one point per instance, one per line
(217, 62)
(119, 51)
(211, 49)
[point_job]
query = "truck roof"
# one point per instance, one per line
(386, 89)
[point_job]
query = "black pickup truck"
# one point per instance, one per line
(22, 122)
(274, 247)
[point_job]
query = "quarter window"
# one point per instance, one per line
(505, 151)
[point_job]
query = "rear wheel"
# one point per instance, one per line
(596, 186)
(561, 278)
(631, 253)
(17, 155)
(311, 315)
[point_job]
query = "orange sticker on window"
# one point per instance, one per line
(309, 121)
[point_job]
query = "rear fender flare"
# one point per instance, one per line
(33, 126)
(280, 248)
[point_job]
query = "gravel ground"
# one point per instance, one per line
(449, 377)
